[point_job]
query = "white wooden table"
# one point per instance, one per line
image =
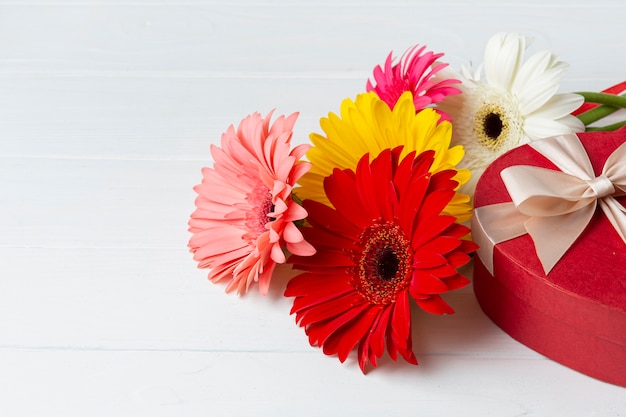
(107, 111)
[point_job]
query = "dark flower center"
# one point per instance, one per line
(388, 263)
(493, 125)
(266, 208)
(270, 210)
(382, 263)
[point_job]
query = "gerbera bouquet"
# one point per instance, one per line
(373, 211)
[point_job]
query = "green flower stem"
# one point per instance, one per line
(596, 114)
(610, 103)
(608, 128)
(602, 98)
(296, 198)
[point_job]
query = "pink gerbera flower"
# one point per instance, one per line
(245, 212)
(415, 73)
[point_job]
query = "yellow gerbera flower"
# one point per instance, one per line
(368, 125)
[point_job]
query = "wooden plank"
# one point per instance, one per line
(155, 299)
(278, 37)
(96, 203)
(155, 118)
(79, 383)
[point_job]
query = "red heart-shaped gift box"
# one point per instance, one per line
(576, 314)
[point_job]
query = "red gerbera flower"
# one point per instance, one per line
(386, 239)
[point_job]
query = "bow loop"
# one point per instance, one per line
(615, 170)
(542, 192)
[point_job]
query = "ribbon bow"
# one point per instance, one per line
(553, 207)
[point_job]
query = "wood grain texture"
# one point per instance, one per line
(107, 112)
(258, 383)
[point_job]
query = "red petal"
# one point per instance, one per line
(321, 239)
(401, 320)
(456, 281)
(339, 341)
(319, 332)
(300, 304)
(468, 246)
(364, 355)
(382, 184)
(458, 258)
(308, 283)
(426, 283)
(428, 259)
(331, 308)
(364, 182)
(423, 162)
(402, 176)
(411, 203)
(399, 336)
(392, 350)
(442, 271)
(435, 202)
(442, 244)
(356, 331)
(435, 305)
(321, 260)
(429, 228)
(457, 230)
(442, 180)
(343, 194)
(327, 218)
(377, 337)
(373, 345)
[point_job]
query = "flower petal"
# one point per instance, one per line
(435, 305)
(559, 105)
(504, 53)
(231, 229)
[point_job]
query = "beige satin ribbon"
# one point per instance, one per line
(553, 207)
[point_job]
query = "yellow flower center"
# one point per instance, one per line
(489, 126)
(496, 123)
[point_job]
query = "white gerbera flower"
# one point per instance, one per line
(515, 104)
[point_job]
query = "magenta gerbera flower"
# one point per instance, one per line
(245, 212)
(415, 73)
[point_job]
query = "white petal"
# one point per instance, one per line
(560, 105)
(539, 128)
(469, 73)
(574, 123)
(504, 54)
(540, 86)
(531, 69)
(448, 73)
(466, 71)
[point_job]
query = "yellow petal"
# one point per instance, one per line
(368, 125)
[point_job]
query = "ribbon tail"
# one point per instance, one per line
(614, 211)
(494, 224)
(553, 236)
